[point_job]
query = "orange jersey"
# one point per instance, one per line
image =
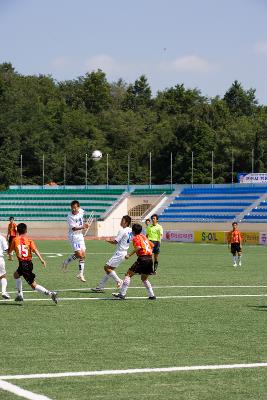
(12, 229)
(234, 237)
(23, 248)
(143, 242)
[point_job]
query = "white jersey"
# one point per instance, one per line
(75, 221)
(3, 245)
(123, 239)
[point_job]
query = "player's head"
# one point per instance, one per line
(154, 219)
(234, 225)
(147, 221)
(126, 221)
(75, 205)
(22, 228)
(137, 229)
(11, 219)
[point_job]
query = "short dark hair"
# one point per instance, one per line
(155, 215)
(137, 228)
(127, 219)
(148, 219)
(21, 228)
(10, 218)
(75, 202)
(234, 223)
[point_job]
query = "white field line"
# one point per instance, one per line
(141, 297)
(134, 371)
(156, 287)
(9, 387)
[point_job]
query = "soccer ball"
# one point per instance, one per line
(96, 155)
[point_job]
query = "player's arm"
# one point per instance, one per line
(112, 241)
(134, 251)
(36, 251)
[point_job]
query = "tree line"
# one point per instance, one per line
(66, 120)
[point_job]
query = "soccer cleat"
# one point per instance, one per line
(5, 295)
(235, 265)
(239, 264)
(97, 290)
(54, 297)
(152, 298)
(19, 297)
(119, 284)
(118, 296)
(81, 277)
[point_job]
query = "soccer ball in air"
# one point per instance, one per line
(96, 155)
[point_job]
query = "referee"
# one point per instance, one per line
(154, 233)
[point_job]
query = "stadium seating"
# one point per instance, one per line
(151, 192)
(213, 204)
(54, 204)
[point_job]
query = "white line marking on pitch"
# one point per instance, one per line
(142, 297)
(135, 371)
(156, 287)
(9, 387)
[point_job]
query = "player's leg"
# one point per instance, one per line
(109, 268)
(148, 286)
(80, 254)
(17, 276)
(3, 279)
(41, 289)
(156, 251)
(239, 255)
(126, 283)
(234, 254)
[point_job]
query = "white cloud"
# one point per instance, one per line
(60, 62)
(102, 61)
(261, 47)
(190, 63)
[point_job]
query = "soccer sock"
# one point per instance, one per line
(114, 276)
(71, 258)
(239, 258)
(234, 259)
(148, 287)
(81, 266)
(4, 285)
(19, 285)
(103, 281)
(125, 285)
(41, 289)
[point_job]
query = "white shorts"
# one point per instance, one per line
(2, 266)
(77, 242)
(117, 258)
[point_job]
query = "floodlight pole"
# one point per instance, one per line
(171, 170)
(43, 170)
(232, 172)
(86, 171)
(21, 171)
(107, 170)
(192, 170)
(252, 161)
(212, 168)
(64, 171)
(128, 180)
(150, 170)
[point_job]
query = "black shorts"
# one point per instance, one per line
(156, 248)
(235, 248)
(25, 269)
(143, 266)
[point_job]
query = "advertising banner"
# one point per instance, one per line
(252, 178)
(263, 238)
(250, 237)
(210, 237)
(179, 236)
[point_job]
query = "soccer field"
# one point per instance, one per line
(204, 337)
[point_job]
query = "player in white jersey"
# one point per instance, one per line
(122, 242)
(76, 226)
(3, 280)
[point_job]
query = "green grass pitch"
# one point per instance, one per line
(206, 313)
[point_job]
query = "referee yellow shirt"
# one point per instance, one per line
(154, 232)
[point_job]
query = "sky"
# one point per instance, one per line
(204, 44)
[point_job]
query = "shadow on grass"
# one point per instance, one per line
(259, 308)
(11, 304)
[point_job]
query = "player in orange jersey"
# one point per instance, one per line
(235, 240)
(143, 265)
(11, 234)
(24, 247)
